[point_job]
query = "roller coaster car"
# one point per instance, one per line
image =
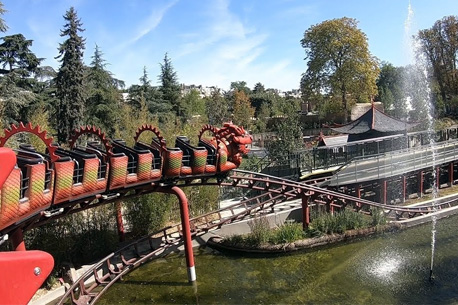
(195, 157)
(27, 190)
(79, 174)
(172, 159)
(132, 166)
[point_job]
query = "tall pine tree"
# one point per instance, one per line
(69, 81)
(170, 88)
(104, 98)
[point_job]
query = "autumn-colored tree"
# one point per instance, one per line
(339, 62)
(243, 112)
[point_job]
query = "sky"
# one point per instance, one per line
(216, 42)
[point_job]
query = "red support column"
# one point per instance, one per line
(17, 240)
(450, 174)
(420, 182)
(404, 188)
(184, 213)
(305, 211)
(358, 194)
(383, 192)
(438, 182)
(119, 221)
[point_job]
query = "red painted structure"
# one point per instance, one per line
(22, 272)
(39, 186)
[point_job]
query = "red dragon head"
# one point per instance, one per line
(236, 139)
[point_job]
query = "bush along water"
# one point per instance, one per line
(322, 224)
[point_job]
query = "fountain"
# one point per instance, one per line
(419, 66)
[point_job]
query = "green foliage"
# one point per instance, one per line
(338, 62)
(169, 86)
(192, 105)
(240, 86)
(3, 26)
(69, 108)
(337, 223)
(390, 84)
(289, 137)
(104, 99)
(378, 217)
(439, 44)
(287, 233)
(260, 231)
(202, 199)
(14, 99)
(147, 213)
(79, 238)
(217, 108)
(15, 55)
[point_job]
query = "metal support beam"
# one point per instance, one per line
(421, 177)
(358, 194)
(119, 221)
(450, 174)
(404, 188)
(438, 181)
(17, 240)
(186, 227)
(383, 191)
(305, 211)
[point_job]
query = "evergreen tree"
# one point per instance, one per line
(217, 108)
(16, 56)
(3, 26)
(169, 86)
(69, 81)
(149, 94)
(16, 86)
(104, 98)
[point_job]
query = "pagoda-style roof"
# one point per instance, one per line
(374, 121)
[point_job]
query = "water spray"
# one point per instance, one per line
(420, 63)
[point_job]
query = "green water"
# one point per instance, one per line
(388, 269)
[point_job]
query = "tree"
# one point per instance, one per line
(149, 94)
(289, 136)
(69, 82)
(216, 108)
(390, 83)
(240, 86)
(191, 104)
(103, 102)
(439, 44)
(3, 26)
(243, 112)
(258, 88)
(339, 62)
(169, 86)
(16, 86)
(15, 55)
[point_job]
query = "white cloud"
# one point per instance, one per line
(149, 24)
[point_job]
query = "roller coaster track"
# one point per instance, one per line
(273, 191)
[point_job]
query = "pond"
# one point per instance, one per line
(387, 269)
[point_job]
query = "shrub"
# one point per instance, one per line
(288, 233)
(260, 231)
(338, 223)
(378, 217)
(147, 213)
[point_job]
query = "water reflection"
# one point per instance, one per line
(389, 269)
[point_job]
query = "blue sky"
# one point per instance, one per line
(215, 42)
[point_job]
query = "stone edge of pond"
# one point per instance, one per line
(217, 242)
